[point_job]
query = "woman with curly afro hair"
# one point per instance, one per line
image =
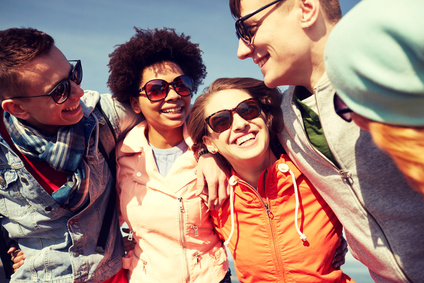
(157, 71)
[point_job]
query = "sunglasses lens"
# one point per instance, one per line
(342, 109)
(77, 74)
(156, 89)
(183, 85)
(221, 121)
(248, 110)
(242, 32)
(61, 93)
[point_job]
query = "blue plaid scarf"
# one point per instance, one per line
(63, 152)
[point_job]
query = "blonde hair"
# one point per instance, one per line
(406, 147)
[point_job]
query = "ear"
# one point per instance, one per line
(209, 145)
(310, 12)
(15, 108)
(135, 105)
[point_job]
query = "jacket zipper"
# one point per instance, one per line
(270, 217)
(345, 175)
(183, 242)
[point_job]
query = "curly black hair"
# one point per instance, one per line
(146, 48)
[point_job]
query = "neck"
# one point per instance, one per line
(251, 173)
(165, 139)
(319, 35)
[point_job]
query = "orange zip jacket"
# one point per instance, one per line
(266, 241)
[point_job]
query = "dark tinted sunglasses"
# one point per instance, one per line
(223, 119)
(242, 31)
(341, 109)
(158, 89)
(60, 93)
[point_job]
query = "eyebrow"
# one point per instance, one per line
(63, 79)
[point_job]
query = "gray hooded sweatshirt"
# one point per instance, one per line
(382, 216)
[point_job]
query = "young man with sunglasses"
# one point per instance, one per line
(382, 216)
(56, 187)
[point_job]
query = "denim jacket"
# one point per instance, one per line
(60, 246)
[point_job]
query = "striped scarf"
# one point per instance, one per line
(63, 152)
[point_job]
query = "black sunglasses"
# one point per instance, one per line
(158, 89)
(60, 93)
(242, 31)
(223, 119)
(341, 109)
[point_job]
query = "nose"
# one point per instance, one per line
(76, 90)
(244, 50)
(172, 93)
(239, 124)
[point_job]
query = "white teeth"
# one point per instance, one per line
(173, 110)
(72, 108)
(244, 139)
(262, 62)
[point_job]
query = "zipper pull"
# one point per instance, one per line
(180, 199)
(196, 230)
(130, 235)
(346, 176)
(197, 256)
(269, 212)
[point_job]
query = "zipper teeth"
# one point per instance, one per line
(340, 172)
(268, 212)
(183, 242)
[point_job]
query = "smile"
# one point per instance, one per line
(173, 110)
(244, 139)
(262, 61)
(72, 108)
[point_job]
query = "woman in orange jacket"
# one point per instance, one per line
(276, 225)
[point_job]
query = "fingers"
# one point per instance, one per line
(340, 254)
(17, 257)
(337, 265)
(201, 187)
(12, 249)
(223, 192)
(343, 245)
(212, 195)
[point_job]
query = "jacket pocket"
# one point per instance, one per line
(12, 202)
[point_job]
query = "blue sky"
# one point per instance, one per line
(89, 30)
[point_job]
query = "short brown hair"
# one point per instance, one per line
(332, 10)
(19, 46)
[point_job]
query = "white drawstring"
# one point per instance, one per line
(232, 182)
(285, 168)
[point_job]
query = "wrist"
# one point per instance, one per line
(201, 149)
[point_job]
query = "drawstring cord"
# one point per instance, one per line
(285, 168)
(296, 193)
(232, 183)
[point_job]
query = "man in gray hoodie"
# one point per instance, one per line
(382, 216)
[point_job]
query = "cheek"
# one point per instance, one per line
(361, 121)
(220, 140)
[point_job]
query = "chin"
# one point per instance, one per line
(269, 82)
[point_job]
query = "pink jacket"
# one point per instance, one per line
(175, 238)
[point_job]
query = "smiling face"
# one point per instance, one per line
(246, 141)
(280, 46)
(165, 118)
(42, 74)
